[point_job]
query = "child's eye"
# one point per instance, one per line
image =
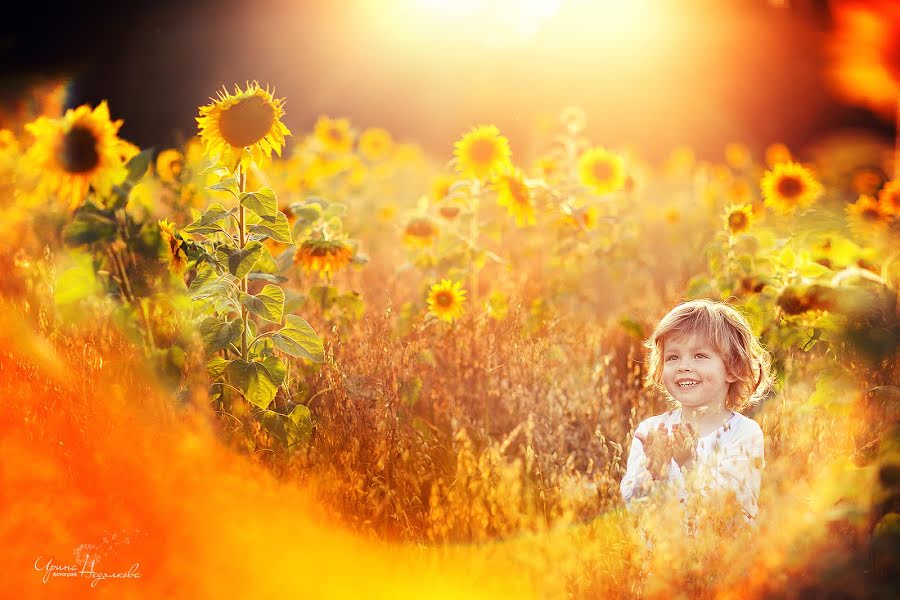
(671, 357)
(701, 355)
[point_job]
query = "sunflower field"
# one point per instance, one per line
(327, 362)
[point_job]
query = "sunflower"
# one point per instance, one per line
(738, 218)
(481, 152)
(737, 156)
(420, 232)
(77, 151)
(777, 153)
(176, 246)
(445, 300)
(169, 165)
(867, 216)
(375, 143)
(867, 180)
(334, 134)
(249, 119)
(601, 170)
(889, 197)
(789, 186)
(325, 257)
(440, 187)
(513, 193)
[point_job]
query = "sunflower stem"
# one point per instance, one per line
(242, 183)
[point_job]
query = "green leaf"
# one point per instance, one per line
(229, 184)
(276, 227)
(207, 283)
(635, 329)
(268, 303)
(410, 390)
(78, 281)
(334, 210)
(299, 425)
(137, 167)
(297, 338)
(88, 228)
(267, 277)
(210, 218)
(324, 295)
(241, 261)
(275, 424)
(263, 203)
(254, 380)
(834, 389)
(352, 305)
(306, 213)
(217, 335)
(216, 366)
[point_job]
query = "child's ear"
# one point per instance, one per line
(729, 378)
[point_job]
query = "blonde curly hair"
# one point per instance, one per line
(729, 332)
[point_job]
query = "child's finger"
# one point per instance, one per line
(642, 438)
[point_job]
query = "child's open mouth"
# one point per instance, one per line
(687, 384)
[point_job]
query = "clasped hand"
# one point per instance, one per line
(661, 447)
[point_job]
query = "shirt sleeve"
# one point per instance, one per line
(637, 481)
(734, 465)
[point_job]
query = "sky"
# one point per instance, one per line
(650, 74)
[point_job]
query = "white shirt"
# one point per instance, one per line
(731, 457)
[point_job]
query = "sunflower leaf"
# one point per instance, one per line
(137, 167)
(298, 338)
(229, 184)
(208, 283)
(268, 303)
(241, 261)
(299, 425)
(217, 335)
(263, 203)
(216, 366)
(258, 381)
(276, 227)
(212, 215)
(87, 228)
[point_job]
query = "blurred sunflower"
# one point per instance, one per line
(889, 197)
(176, 245)
(601, 170)
(440, 187)
(737, 156)
(738, 219)
(445, 300)
(249, 119)
(867, 180)
(865, 54)
(169, 165)
(513, 193)
(449, 211)
(546, 166)
(420, 232)
(481, 152)
(777, 153)
(375, 143)
(334, 134)
(867, 216)
(573, 119)
(77, 151)
(325, 257)
(789, 186)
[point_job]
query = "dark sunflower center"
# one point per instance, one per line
(78, 152)
(737, 221)
(444, 299)
(789, 187)
(336, 133)
(247, 122)
(871, 213)
(602, 170)
(482, 151)
(420, 229)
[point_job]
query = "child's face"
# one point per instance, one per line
(694, 373)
